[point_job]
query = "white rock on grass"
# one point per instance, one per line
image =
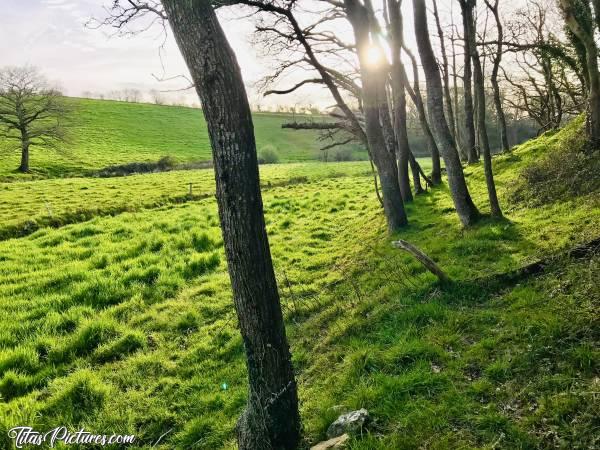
(351, 423)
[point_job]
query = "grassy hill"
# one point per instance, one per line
(105, 133)
(125, 323)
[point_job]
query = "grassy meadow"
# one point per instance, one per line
(55, 202)
(105, 133)
(116, 312)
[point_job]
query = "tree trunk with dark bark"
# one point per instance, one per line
(373, 99)
(24, 167)
(478, 84)
(397, 148)
(470, 144)
(271, 419)
(416, 170)
(417, 98)
(493, 7)
(466, 209)
(399, 100)
(459, 140)
(445, 74)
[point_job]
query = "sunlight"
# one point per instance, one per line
(374, 56)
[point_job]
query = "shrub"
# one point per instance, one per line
(570, 169)
(343, 154)
(166, 163)
(268, 155)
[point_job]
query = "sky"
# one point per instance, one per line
(51, 35)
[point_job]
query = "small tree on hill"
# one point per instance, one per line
(31, 112)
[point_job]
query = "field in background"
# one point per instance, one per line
(125, 324)
(109, 132)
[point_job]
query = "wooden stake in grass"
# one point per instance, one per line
(423, 259)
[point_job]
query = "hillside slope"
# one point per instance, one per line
(108, 132)
(126, 323)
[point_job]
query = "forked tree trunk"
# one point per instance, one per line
(467, 80)
(478, 83)
(373, 99)
(271, 419)
(466, 209)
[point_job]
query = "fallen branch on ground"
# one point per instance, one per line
(423, 259)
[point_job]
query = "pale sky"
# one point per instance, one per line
(51, 35)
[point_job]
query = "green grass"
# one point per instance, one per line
(125, 324)
(106, 133)
(26, 206)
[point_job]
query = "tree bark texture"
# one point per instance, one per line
(271, 419)
(501, 117)
(445, 74)
(399, 99)
(397, 149)
(373, 100)
(479, 88)
(24, 166)
(466, 209)
(467, 84)
(417, 98)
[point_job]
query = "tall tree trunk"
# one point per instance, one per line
(586, 36)
(417, 98)
(445, 73)
(478, 83)
(399, 99)
(271, 419)
(373, 99)
(459, 140)
(467, 79)
(397, 148)
(466, 209)
(494, 77)
(24, 167)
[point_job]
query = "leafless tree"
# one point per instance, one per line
(541, 74)
(466, 209)
(494, 7)
(466, 6)
(157, 97)
(580, 21)
(479, 90)
(132, 95)
(374, 101)
(31, 112)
